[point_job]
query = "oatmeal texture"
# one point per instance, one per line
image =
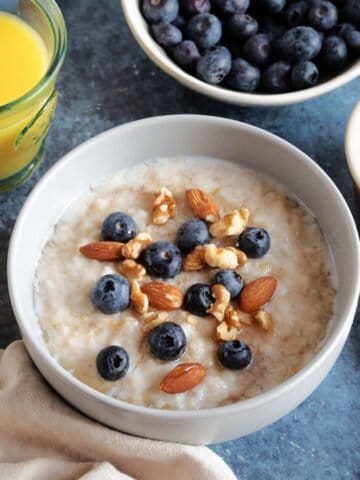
(299, 258)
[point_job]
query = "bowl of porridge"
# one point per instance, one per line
(188, 278)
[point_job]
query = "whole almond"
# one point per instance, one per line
(163, 296)
(104, 251)
(184, 377)
(257, 293)
(202, 205)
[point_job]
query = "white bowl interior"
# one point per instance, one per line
(139, 29)
(168, 137)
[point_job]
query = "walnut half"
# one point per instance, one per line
(225, 332)
(219, 257)
(195, 260)
(131, 270)
(164, 207)
(222, 299)
(232, 224)
(139, 300)
(133, 248)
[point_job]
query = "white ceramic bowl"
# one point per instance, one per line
(352, 148)
(157, 54)
(167, 137)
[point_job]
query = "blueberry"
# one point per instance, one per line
(276, 78)
(304, 75)
(198, 299)
(231, 280)
(234, 355)
(205, 29)
(113, 363)
(118, 227)
(186, 54)
(157, 11)
(296, 12)
(167, 341)
(229, 7)
(334, 53)
(193, 7)
(299, 44)
(111, 294)
(191, 234)
(241, 26)
(323, 15)
(162, 259)
(243, 76)
(166, 34)
(214, 65)
(254, 241)
(352, 40)
(273, 6)
(351, 11)
(257, 49)
(341, 29)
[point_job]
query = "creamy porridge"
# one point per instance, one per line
(283, 336)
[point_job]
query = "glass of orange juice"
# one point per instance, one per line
(33, 42)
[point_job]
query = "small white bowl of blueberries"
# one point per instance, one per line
(251, 52)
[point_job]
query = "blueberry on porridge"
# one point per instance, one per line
(167, 341)
(199, 283)
(118, 226)
(234, 354)
(111, 294)
(191, 234)
(198, 299)
(231, 280)
(255, 242)
(112, 362)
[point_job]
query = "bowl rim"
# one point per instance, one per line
(44, 355)
(157, 54)
(350, 134)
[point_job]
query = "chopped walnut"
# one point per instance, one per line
(232, 224)
(225, 332)
(133, 248)
(264, 320)
(131, 270)
(139, 300)
(153, 319)
(164, 207)
(222, 299)
(241, 256)
(220, 257)
(236, 318)
(195, 260)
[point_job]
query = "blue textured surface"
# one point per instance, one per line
(106, 81)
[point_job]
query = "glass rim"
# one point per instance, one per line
(58, 27)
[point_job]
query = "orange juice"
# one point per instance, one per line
(23, 58)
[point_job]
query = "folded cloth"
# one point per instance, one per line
(44, 438)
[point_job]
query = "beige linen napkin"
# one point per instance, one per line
(43, 438)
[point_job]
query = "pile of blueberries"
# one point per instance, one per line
(111, 293)
(258, 45)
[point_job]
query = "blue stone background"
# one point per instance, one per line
(106, 81)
